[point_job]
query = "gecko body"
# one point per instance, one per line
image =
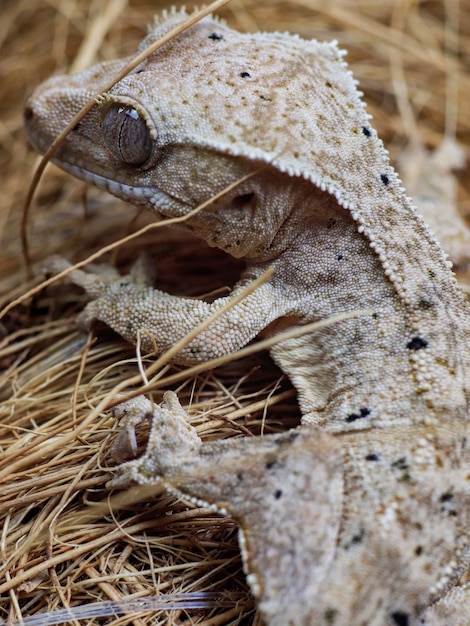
(360, 516)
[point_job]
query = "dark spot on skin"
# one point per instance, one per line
(371, 457)
(270, 464)
(215, 37)
(355, 539)
(330, 616)
(331, 223)
(240, 201)
(291, 437)
(425, 304)
(278, 494)
(400, 618)
(245, 75)
(239, 476)
(385, 179)
(366, 131)
(418, 550)
(401, 463)
(265, 98)
(446, 497)
(352, 417)
(417, 343)
(339, 257)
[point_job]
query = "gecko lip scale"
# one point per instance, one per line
(147, 195)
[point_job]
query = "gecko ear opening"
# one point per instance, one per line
(126, 134)
(242, 200)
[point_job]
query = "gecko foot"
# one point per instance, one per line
(112, 295)
(172, 440)
(285, 491)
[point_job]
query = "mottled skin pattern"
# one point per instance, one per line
(360, 516)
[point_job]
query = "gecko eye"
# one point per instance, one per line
(126, 134)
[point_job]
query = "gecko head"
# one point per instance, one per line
(154, 141)
(207, 109)
(120, 147)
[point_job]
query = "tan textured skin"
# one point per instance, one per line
(360, 516)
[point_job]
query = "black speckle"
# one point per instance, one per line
(446, 497)
(330, 615)
(417, 343)
(366, 131)
(292, 436)
(278, 494)
(401, 463)
(270, 464)
(339, 257)
(385, 179)
(356, 539)
(245, 75)
(215, 37)
(352, 417)
(418, 550)
(371, 457)
(266, 98)
(400, 618)
(425, 304)
(446, 500)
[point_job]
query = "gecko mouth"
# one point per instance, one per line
(126, 192)
(150, 197)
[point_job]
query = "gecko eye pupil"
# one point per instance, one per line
(126, 134)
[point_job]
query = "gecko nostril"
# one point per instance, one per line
(28, 113)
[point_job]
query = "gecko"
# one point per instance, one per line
(360, 515)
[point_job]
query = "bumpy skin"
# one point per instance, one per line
(361, 516)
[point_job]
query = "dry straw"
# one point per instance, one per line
(65, 540)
